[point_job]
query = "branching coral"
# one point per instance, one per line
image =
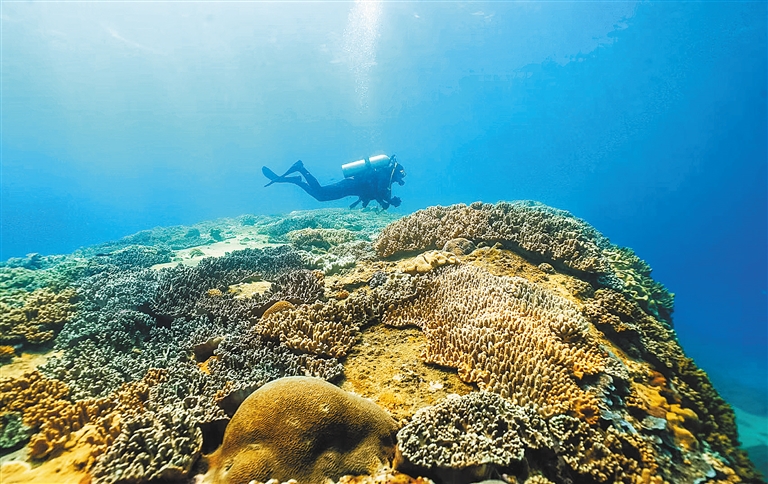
(243, 361)
(327, 329)
(473, 431)
(506, 334)
(135, 256)
(181, 287)
(52, 416)
(152, 445)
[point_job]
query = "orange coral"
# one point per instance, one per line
(46, 407)
(7, 352)
(277, 307)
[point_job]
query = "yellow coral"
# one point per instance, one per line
(277, 307)
(678, 419)
(7, 352)
(427, 261)
(43, 313)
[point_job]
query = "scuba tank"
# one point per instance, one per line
(361, 166)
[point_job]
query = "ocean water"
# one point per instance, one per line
(646, 119)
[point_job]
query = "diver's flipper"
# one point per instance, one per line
(278, 179)
(269, 174)
(298, 166)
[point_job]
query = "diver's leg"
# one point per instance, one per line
(311, 180)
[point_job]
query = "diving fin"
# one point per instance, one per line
(270, 174)
(278, 179)
(298, 166)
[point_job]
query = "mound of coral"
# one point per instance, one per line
(507, 341)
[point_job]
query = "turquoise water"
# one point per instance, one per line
(647, 119)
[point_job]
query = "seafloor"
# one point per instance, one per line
(511, 342)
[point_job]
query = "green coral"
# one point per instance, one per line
(12, 430)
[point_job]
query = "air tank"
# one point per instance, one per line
(360, 166)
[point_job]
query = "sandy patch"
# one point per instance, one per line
(386, 367)
(28, 361)
(753, 429)
(247, 239)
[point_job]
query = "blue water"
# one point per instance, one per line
(647, 119)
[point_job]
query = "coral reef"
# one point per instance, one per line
(304, 429)
(365, 223)
(157, 364)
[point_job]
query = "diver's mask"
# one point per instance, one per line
(398, 173)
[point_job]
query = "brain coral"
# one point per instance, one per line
(305, 429)
(506, 334)
(552, 234)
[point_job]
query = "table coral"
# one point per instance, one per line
(506, 334)
(305, 429)
(551, 234)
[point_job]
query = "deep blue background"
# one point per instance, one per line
(646, 119)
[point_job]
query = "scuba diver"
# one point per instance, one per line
(368, 179)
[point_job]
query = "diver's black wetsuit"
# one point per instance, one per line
(371, 185)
